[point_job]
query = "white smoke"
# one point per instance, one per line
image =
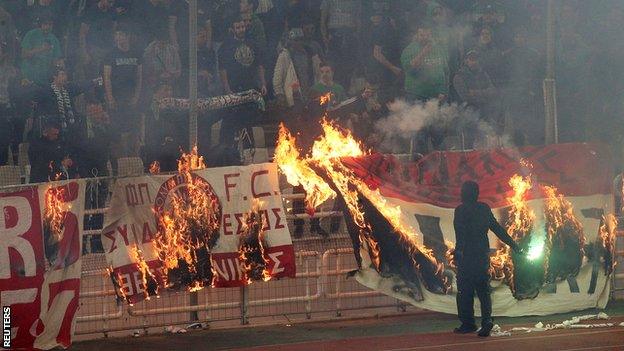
(406, 120)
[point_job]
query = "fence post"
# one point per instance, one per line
(243, 305)
(338, 285)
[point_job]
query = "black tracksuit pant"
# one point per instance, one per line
(474, 277)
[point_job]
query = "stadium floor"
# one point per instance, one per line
(422, 331)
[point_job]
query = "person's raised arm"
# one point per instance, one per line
(500, 232)
(381, 58)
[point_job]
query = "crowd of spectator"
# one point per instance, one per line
(78, 77)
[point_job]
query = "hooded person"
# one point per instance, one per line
(472, 221)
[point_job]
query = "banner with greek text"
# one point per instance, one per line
(139, 204)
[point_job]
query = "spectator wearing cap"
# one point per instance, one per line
(50, 157)
(295, 70)
(41, 51)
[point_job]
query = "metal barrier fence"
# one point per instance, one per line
(320, 289)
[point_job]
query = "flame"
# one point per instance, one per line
(324, 99)
(154, 167)
(191, 161)
(251, 245)
(298, 171)
(137, 256)
(520, 223)
(117, 279)
(450, 254)
(55, 211)
(565, 232)
(188, 227)
(607, 237)
(327, 151)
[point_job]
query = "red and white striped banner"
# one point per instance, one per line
(39, 274)
(429, 190)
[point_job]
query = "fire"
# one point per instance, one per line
(117, 283)
(521, 217)
(191, 161)
(137, 256)
(154, 167)
(327, 152)
(565, 234)
(189, 227)
(450, 254)
(298, 171)
(323, 99)
(55, 211)
(519, 224)
(251, 245)
(607, 238)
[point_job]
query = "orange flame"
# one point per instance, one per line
(117, 282)
(191, 161)
(154, 167)
(607, 235)
(189, 224)
(137, 256)
(323, 99)
(251, 245)
(519, 224)
(55, 210)
(298, 171)
(327, 151)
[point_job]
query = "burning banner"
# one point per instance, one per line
(217, 227)
(40, 262)
(400, 219)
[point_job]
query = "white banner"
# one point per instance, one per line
(588, 289)
(138, 203)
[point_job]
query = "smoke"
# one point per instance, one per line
(406, 120)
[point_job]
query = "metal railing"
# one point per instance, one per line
(320, 289)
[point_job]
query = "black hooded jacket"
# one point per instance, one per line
(472, 221)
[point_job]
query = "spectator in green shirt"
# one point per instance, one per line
(425, 64)
(41, 50)
(327, 85)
